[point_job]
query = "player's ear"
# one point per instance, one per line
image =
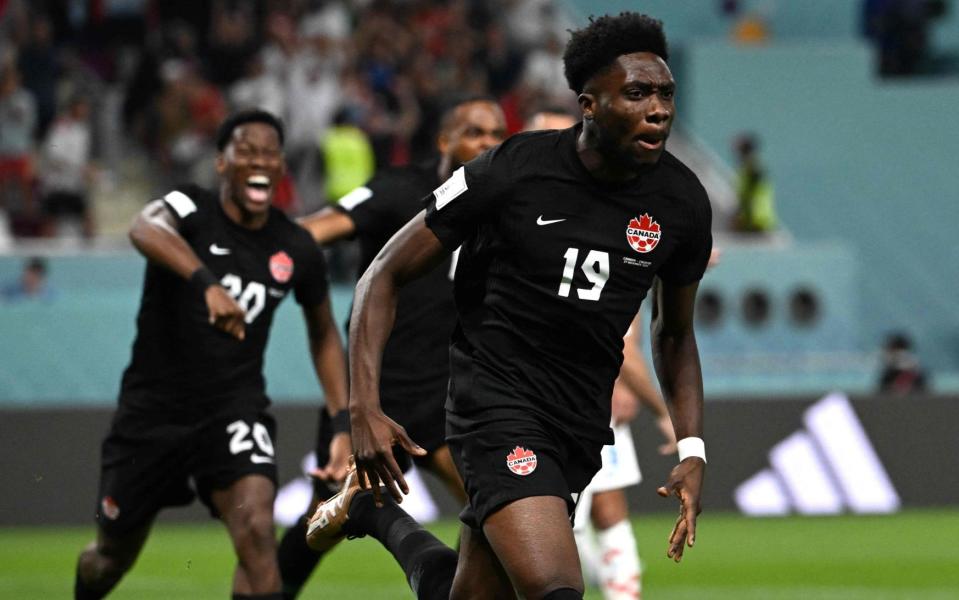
(220, 163)
(587, 103)
(443, 142)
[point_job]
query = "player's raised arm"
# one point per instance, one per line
(154, 233)
(413, 251)
(676, 358)
(326, 352)
(328, 225)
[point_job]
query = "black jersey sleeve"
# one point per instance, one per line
(190, 206)
(469, 198)
(373, 207)
(312, 285)
(688, 263)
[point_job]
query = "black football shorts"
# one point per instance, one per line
(153, 459)
(513, 454)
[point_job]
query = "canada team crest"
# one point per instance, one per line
(521, 461)
(281, 266)
(109, 508)
(643, 234)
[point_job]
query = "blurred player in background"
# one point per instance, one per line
(415, 370)
(604, 534)
(192, 406)
(562, 235)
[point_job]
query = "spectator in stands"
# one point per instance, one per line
(756, 212)
(67, 170)
(899, 30)
(31, 285)
(18, 121)
(901, 372)
(38, 65)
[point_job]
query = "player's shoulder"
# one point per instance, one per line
(681, 179)
(285, 228)
(187, 198)
(531, 143)
(526, 152)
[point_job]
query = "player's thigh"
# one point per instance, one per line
(121, 549)
(246, 503)
(479, 573)
(533, 540)
(236, 472)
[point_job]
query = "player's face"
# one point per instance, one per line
(477, 127)
(632, 106)
(252, 166)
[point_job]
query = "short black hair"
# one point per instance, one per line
(253, 115)
(596, 46)
(452, 103)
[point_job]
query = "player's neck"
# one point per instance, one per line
(445, 167)
(241, 216)
(601, 163)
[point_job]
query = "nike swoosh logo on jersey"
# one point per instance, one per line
(218, 251)
(256, 458)
(541, 221)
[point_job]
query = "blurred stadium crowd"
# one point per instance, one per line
(98, 91)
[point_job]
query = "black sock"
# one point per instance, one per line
(428, 563)
(81, 591)
(276, 596)
(296, 559)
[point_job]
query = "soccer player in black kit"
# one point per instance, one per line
(192, 403)
(562, 234)
(415, 369)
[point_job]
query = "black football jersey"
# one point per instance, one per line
(553, 267)
(177, 352)
(415, 367)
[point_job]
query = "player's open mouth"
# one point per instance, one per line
(258, 188)
(650, 141)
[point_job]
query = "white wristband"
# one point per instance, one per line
(691, 446)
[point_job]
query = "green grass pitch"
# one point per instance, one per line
(912, 555)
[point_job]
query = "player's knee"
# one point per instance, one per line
(253, 531)
(546, 587)
(104, 570)
(566, 593)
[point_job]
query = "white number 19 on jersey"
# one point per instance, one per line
(596, 269)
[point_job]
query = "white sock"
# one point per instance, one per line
(588, 553)
(619, 569)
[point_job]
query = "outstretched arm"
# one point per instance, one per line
(154, 233)
(413, 251)
(326, 352)
(676, 358)
(328, 225)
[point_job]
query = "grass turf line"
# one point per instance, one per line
(902, 556)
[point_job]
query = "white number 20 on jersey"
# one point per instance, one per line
(251, 299)
(596, 269)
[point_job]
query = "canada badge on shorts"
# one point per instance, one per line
(281, 266)
(521, 461)
(109, 508)
(643, 234)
